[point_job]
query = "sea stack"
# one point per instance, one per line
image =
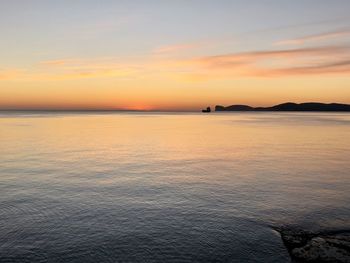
(207, 110)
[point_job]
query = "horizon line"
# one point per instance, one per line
(136, 110)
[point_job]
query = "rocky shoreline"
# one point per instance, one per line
(322, 247)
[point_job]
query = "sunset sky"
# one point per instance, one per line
(172, 55)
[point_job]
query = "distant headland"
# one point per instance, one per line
(289, 106)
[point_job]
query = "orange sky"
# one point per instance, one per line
(139, 61)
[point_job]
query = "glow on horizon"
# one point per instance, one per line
(119, 55)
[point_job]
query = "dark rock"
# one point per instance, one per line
(323, 247)
(233, 108)
(207, 110)
(219, 108)
(289, 106)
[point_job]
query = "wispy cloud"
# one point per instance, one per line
(318, 60)
(234, 59)
(316, 37)
(342, 66)
(97, 67)
(264, 63)
(69, 69)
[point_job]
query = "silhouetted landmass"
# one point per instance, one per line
(207, 110)
(289, 106)
(234, 108)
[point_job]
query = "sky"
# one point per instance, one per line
(172, 54)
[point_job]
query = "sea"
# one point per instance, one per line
(168, 187)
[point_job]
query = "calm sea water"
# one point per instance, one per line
(158, 187)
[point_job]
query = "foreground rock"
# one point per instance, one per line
(303, 246)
